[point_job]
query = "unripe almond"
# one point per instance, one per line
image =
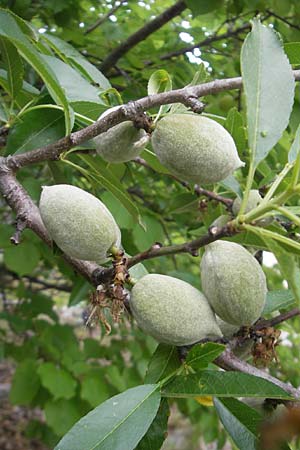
(233, 282)
(121, 143)
(195, 148)
(172, 311)
(254, 200)
(79, 223)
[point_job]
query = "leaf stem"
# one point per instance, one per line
(277, 182)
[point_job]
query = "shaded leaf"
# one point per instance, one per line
(57, 380)
(13, 65)
(279, 299)
(202, 354)
(35, 129)
(292, 49)
(240, 421)
(94, 389)
(295, 148)
(157, 433)
(22, 258)
(62, 414)
(199, 7)
(235, 125)
(159, 81)
(25, 383)
(222, 384)
(269, 94)
(118, 423)
(79, 292)
(164, 362)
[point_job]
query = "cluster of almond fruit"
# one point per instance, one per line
(195, 149)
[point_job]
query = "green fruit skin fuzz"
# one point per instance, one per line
(120, 143)
(233, 282)
(172, 311)
(195, 148)
(79, 223)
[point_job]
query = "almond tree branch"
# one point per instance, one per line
(101, 20)
(142, 34)
(187, 96)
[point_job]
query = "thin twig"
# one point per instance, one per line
(104, 18)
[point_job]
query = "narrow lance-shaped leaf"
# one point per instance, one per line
(269, 87)
(119, 423)
(163, 363)
(13, 65)
(279, 299)
(240, 421)
(202, 354)
(222, 384)
(10, 30)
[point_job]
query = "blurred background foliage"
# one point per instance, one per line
(62, 366)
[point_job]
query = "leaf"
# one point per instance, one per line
(279, 299)
(22, 258)
(222, 384)
(104, 177)
(232, 184)
(240, 421)
(235, 125)
(269, 93)
(202, 354)
(35, 129)
(295, 147)
(25, 95)
(94, 389)
(286, 243)
(159, 81)
(144, 239)
(157, 433)
(87, 69)
(76, 88)
(10, 29)
(57, 380)
(199, 7)
(62, 414)
(118, 423)
(14, 67)
(153, 161)
(25, 383)
(292, 49)
(79, 292)
(288, 266)
(164, 362)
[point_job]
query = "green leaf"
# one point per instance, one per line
(94, 389)
(25, 95)
(62, 414)
(269, 93)
(14, 67)
(103, 176)
(79, 292)
(164, 362)
(6, 231)
(153, 161)
(76, 88)
(25, 383)
(87, 69)
(157, 433)
(235, 125)
(240, 421)
(233, 185)
(279, 299)
(295, 147)
(292, 49)
(202, 354)
(199, 7)
(58, 381)
(35, 129)
(10, 29)
(222, 384)
(118, 423)
(144, 239)
(159, 81)
(288, 266)
(22, 258)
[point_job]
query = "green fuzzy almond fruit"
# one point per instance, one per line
(121, 143)
(172, 311)
(233, 282)
(195, 148)
(254, 200)
(79, 223)
(227, 329)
